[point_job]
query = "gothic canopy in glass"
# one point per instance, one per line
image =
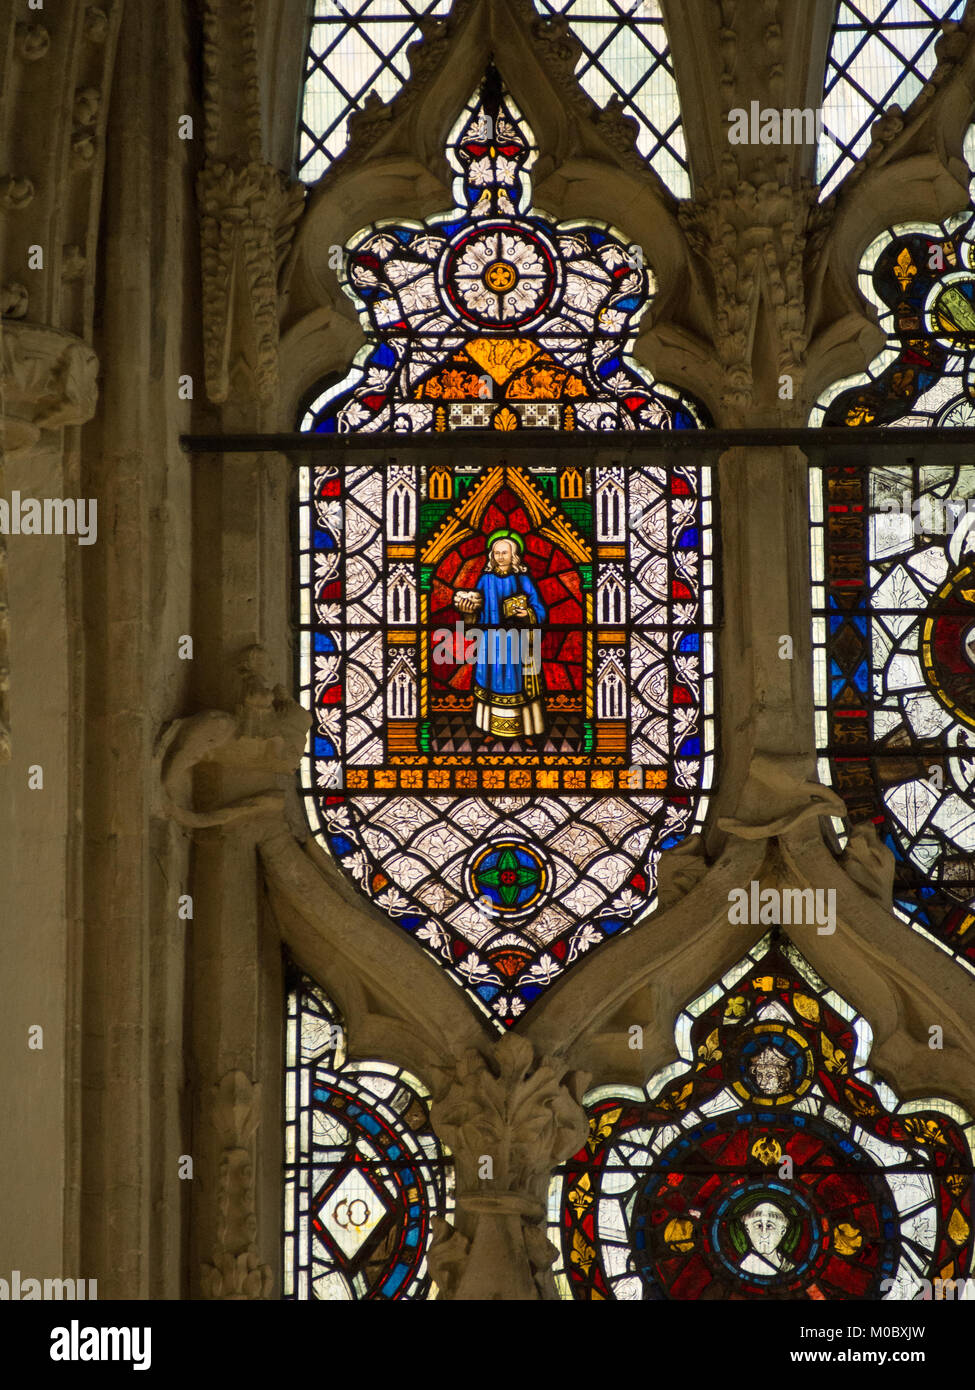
(509, 659)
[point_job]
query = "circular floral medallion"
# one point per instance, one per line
(499, 275)
(508, 877)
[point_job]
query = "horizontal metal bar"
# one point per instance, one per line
(866, 1169)
(914, 442)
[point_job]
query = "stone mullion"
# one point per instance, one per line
(132, 998)
(237, 986)
(227, 991)
(765, 699)
(231, 975)
(236, 983)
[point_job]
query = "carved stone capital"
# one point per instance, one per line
(265, 735)
(247, 218)
(508, 1119)
(751, 236)
(776, 798)
(48, 379)
(235, 1272)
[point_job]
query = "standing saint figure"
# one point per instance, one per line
(507, 684)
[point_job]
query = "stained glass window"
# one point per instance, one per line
(626, 57)
(893, 594)
(358, 47)
(768, 1162)
(882, 53)
(503, 791)
(364, 1172)
(355, 47)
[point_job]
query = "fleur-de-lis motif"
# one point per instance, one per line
(601, 1126)
(905, 269)
(581, 1197)
(834, 1057)
(582, 1253)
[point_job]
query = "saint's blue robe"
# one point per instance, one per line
(506, 676)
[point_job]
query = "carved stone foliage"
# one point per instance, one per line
(425, 57)
(14, 300)
(893, 133)
(31, 41)
(248, 213)
(231, 90)
(752, 238)
(16, 192)
(746, 224)
(236, 1273)
(508, 1120)
(265, 734)
(47, 379)
(560, 50)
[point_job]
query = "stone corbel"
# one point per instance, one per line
(47, 379)
(265, 735)
(236, 1272)
(248, 213)
(679, 870)
(508, 1120)
(870, 863)
(777, 798)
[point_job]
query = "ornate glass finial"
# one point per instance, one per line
(493, 153)
(491, 315)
